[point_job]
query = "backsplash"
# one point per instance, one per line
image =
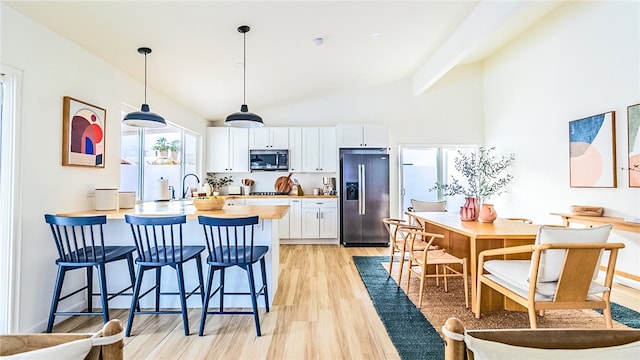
(264, 180)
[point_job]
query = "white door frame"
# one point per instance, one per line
(10, 197)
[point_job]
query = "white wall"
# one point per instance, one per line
(450, 112)
(52, 68)
(582, 60)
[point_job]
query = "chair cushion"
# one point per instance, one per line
(485, 349)
(514, 275)
(551, 260)
(428, 205)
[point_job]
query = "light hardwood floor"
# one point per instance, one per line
(321, 311)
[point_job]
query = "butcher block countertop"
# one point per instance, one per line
(164, 208)
(281, 196)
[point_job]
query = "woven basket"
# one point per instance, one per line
(208, 204)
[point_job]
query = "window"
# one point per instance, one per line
(421, 167)
(150, 154)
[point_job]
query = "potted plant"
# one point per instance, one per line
(217, 183)
(174, 146)
(484, 177)
(161, 146)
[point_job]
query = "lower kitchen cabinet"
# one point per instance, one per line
(319, 218)
(283, 224)
(295, 218)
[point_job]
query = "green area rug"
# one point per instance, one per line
(410, 332)
(402, 318)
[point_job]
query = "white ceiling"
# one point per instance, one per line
(197, 50)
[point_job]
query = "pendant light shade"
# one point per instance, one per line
(244, 118)
(144, 118)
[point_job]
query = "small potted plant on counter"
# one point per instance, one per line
(217, 183)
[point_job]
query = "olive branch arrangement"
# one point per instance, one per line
(482, 173)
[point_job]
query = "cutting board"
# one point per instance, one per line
(283, 184)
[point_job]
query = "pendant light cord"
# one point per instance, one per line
(244, 68)
(145, 78)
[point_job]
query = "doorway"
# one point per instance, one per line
(10, 82)
(421, 166)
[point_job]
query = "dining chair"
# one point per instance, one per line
(159, 243)
(419, 260)
(419, 205)
(564, 263)
(398, 243)
(80, 243)
(230, 242)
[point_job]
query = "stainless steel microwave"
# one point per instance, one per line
(269, 160)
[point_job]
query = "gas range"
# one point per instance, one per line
(269, 193)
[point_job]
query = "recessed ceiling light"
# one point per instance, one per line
(375, 34)
(318, 41)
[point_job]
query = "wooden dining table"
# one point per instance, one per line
(466, 239)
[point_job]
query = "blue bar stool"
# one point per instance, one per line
(80, 244)
(230, 243)
(159, 244)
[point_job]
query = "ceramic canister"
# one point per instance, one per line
(106, 199)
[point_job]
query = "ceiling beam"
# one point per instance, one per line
(478, 28)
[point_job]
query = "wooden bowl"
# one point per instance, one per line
(586, 210)
(208, 204)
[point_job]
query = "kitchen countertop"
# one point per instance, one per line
(180, 207)
(280, 196)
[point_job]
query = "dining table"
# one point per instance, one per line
(466, 239)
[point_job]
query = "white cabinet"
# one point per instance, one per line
(295, 218)
(276, 138)
(295, 149)
(319, 218)
(283, 224)
(319, 151)
(355, 136)
(227, 149)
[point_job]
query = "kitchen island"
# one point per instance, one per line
(118, 232)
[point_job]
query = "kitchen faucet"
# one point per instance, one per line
(184, 191)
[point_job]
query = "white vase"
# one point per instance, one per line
(216, 193)
(207, 189)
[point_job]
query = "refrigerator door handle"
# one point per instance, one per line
(360, 189)
(364, 190)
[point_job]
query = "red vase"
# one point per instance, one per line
(470, 210)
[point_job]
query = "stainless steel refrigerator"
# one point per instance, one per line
(364, 194)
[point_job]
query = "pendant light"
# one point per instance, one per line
(144, 118)
(244, 118)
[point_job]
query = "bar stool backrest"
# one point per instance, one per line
(78, 239)
(158, 239)
(230, 240)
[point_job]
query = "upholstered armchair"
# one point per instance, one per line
(564, 262)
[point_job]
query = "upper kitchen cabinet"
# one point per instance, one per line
(227, 149)
(276, 138)
(356, 136)
(295, 149)
(319, 151)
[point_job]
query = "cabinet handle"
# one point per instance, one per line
(317, 215)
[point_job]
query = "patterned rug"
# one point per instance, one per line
(402, 317)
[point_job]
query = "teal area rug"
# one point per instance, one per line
(410, 332)
(402, 318)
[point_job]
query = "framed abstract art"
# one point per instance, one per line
(83, 133)
(592, 154)
(633, 118)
